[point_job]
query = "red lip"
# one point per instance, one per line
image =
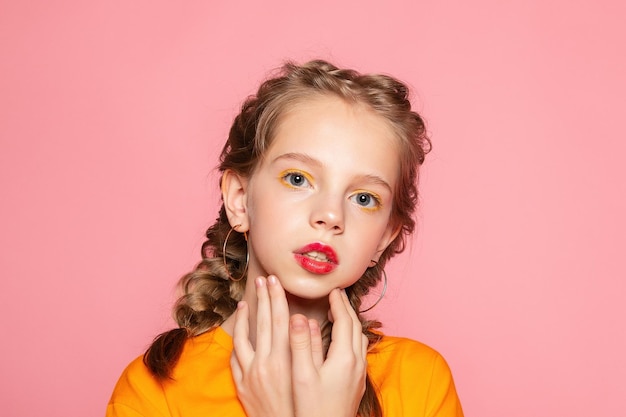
(313, 265)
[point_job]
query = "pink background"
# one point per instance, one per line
(111, 116)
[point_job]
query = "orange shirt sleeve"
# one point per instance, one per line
(413, 380)
(442, 400)
(137, 394)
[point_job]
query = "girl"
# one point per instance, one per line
(319, 188)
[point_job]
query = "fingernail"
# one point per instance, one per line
(299, 323)
(271, 279)
(259, 281)
(241, 304)
(314, 326)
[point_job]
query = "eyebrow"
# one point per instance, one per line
(375, 179)
(299, 157)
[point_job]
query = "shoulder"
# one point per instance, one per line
(392, 349)
(414, 376)
(139, 393)
(407, 356)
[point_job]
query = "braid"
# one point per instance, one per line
(208, 297)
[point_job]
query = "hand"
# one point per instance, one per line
(335, 386)
(263, 373)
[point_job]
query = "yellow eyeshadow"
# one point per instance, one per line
(376, 197)
(286, 172)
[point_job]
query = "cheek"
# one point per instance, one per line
(267, 217)
(386, 233)
(369, 239)
(255, 207)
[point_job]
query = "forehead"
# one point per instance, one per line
(332, 130)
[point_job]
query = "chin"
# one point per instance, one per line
(308, 294)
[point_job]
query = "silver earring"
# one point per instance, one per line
(382, 294)
(245, 236)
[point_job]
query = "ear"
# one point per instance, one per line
(234, 195)
(390, 234)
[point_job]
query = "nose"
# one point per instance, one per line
(328, 214)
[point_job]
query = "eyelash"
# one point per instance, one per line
(375, 198)
(286, 175)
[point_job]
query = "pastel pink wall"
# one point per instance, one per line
(111, 116)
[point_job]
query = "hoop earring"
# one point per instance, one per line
(382, 294)
(245, 270)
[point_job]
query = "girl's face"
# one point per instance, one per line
(318, 204)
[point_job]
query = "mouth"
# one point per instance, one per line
(317, 258)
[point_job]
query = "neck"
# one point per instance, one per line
(313, 309)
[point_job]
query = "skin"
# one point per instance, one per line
(326, 178)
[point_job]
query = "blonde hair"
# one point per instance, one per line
(208, 295)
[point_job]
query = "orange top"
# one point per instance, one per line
(413, 380)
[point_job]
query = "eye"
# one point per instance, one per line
(366, 200)
(295, 179)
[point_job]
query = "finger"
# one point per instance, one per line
(330, 316)
(364, 345)
(343, 329)
(317, 347)
(300, 343)
(357, 331)
(280, 316)
(235, 368)
(243, 349)
(263, 318)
